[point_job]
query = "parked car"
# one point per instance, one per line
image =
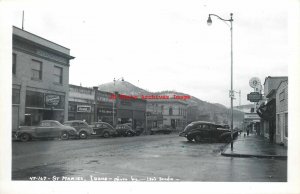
(82, 128)
(125, 130)
(138, 129)
(103, 129)
(46, 129)
(206, 131)
(162, 130)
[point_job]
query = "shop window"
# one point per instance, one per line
(15, 96)
(286, 124)
(34, 99)
(14, 64)
(36, 70)
(58, 75)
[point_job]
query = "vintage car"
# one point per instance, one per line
(46, 129)
(138, 129)
(103, 129)
(161, 130)
(82, 128)
(125, 130)
(202, 131)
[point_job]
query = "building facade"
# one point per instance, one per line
(282, 113)
(267, 108)
(81, 103)
(92, 105)
(174, 112)
(40, 84)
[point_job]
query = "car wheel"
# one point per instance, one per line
(197, 138)
(190, 139)
(82, 135)
(24, 137)
(106, 135)
(64, 135)
(129, 134)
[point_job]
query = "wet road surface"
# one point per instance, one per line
(142, 158)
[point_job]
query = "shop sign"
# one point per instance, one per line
(254, 97)
(251, 116)
(52, 100)
(106, 111)
(83, 108)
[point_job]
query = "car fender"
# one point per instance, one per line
(194, 133)
(224, 135)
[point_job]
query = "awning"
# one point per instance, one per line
(267, 111)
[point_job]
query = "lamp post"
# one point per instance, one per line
(231, 92)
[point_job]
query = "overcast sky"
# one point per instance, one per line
(166, 44)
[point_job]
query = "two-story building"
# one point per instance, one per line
(282, 113)
(173, 111)
(40, 84)
(268, 106)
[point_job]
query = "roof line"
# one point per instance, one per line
(42, 38)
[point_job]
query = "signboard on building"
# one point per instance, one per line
(106, 111)
(251, 116)
(83, 108)
(52, 100)
(254, 97)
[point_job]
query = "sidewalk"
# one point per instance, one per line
(254, 146)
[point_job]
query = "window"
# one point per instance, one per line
(34, 99)
(170, 111)
(14, 65)
(15, 96)
(286, 124)
(58, 74)
(278, 125)
(36, 70)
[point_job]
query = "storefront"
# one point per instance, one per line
(106, 113)
(131, 111)
(43, 106)
(81, 111)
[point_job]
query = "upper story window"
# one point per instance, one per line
(14, 63)
(170, 111)
(36, 70)
(58, 74)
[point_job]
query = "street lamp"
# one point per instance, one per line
(231, 92)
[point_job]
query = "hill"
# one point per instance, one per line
(197, 109)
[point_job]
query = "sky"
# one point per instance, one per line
(166, 44)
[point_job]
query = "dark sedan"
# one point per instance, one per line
(46, 129)
(202, 131)
(103, 129)
(125, 130)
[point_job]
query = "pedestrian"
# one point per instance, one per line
(247, 131)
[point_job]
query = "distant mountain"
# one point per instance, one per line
(123, 87)
(201, 110)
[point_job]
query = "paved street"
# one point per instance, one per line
(142, 158)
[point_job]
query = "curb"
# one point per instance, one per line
(249, 155)
(253, 156)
